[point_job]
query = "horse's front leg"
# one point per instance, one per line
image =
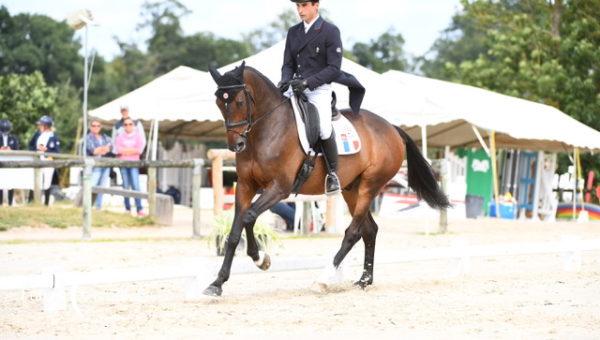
(246, 216)
(260, 258)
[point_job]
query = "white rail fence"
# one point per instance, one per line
(199, 273)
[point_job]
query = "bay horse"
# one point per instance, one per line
(261, 129)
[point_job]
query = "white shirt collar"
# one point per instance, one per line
(309, 25)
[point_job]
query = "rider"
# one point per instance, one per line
(311, 61)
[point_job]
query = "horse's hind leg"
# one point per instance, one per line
(359, 200)
(369, 234)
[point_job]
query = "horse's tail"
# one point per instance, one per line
(420, 175)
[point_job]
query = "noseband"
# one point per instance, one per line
(227, 94)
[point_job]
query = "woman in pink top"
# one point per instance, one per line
(129, 146)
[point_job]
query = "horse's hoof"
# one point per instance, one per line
(213, 291)
(264, 261)
(362, 284)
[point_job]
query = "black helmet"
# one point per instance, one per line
(302, 1)
(45, 120)
(5, 126)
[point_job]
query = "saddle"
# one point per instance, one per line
(307, 112)
(310, 117)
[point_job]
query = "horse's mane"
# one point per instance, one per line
(262, 76)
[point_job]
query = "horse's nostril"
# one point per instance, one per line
(240, 146)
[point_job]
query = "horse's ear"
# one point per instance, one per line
(215, 74)
(240, 69)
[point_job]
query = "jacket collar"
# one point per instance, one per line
(312, 33)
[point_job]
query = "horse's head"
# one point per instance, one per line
(235, 100)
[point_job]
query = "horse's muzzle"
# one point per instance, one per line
(239, 146)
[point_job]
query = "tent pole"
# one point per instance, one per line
(492, 153)
(538, 182)
(424, 141)
(149, 143)
(155, 140)
(575, 183)
(481, 141)
(580, 175)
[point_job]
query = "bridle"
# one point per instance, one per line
(227, 94)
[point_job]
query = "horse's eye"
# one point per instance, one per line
(239, 103)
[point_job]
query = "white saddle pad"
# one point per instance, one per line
(346, 137)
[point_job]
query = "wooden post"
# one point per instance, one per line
(87, 198)
(217, 156)
(152, 191)
(217, 184)
(331, 214)
(37, 185)
(196, 185)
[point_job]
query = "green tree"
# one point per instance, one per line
(548, 52)
(31, 42)
(23, 100)
(167, 42)
(382, 54)
(267, 36)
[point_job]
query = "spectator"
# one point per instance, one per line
(45, 140)
(285, 211)
(129, 146)
(118, 128)
(7, 142)
(98, 145)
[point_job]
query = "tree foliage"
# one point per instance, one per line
(23, 100)
(382, 54)
(31, 42)
(545, 52)
(548, 52)
(271, 34)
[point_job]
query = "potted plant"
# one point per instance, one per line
(222, 226)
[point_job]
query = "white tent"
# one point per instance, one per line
(518, 123)
(182, 101)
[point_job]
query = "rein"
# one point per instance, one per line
(249, 122)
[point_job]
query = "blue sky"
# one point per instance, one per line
(419, 21)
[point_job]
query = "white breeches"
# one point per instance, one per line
(321, 98)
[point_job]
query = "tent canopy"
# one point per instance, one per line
(184, 103)
(518, 123)
(182, 100)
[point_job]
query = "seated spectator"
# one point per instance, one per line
(129, 146)
(45, 140)
(7, 142)
(98, 145)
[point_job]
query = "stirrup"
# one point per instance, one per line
(335, 187)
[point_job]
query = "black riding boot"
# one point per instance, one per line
(330, 153)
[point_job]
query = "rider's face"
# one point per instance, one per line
(307, 10)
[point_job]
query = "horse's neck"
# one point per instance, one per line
(276, 128)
